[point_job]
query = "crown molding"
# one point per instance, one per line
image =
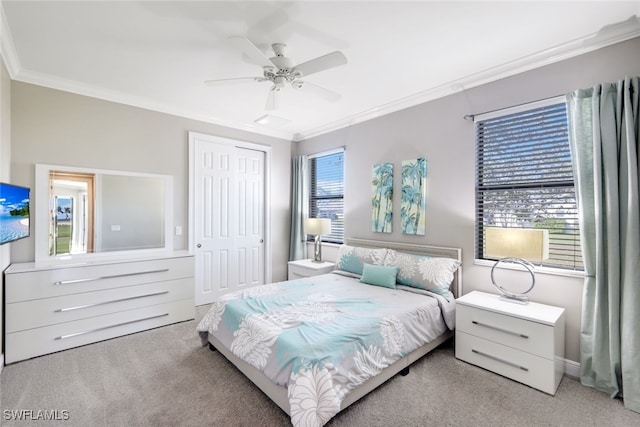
(7, 49)
(609, 35)
(57, 83)
(12, 62)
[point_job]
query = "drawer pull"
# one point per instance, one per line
(62, 337)
(506, 331)
(506, 362)
(62, 310)
(91, 279)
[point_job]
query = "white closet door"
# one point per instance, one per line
(229, 216)
(250, 210)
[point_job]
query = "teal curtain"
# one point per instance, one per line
(299, 208)
(603, 132)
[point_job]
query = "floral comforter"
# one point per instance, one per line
(321, 337)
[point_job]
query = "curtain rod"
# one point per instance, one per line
(473, 116)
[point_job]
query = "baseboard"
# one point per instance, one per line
(571, 368)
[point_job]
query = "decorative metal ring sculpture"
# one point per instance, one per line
(518, 297)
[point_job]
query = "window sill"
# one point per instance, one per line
(335, 244)
(332, 244)
(537, 269)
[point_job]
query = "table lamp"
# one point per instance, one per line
(318, 227)
(516, 246)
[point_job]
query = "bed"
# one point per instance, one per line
(316, 345)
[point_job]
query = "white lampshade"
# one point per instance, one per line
(531, 244)
(317, 226)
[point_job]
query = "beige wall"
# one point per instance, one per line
(55, 127)
(438, 131)
(5, 164)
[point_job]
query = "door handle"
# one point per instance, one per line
(261, 240)
(198, 245)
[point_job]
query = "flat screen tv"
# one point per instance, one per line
(14, 212)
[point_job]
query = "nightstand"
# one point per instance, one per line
(521, 342)
(308, 268)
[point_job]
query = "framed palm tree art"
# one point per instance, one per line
(414, 196)
(381, 198)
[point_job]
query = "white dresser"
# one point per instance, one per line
(521, 342)
(308, 268)
(56, 307)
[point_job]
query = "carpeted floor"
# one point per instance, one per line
(163, 377)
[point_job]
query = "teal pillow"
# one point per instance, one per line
(379, 275)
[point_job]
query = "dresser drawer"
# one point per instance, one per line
(54, 282)
(49, 339)
(521, 334)
(67, 308)
(521, 366)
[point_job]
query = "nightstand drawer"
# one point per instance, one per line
(525, 335)
(296, 272)
(307, 268)
(521, 366)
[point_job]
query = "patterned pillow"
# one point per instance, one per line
(352, 258)
(423, 272)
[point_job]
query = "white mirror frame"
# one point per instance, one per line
(42, 216)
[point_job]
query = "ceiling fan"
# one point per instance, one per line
(280, 71)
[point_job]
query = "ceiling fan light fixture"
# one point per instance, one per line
(281, 70)
(279, 82)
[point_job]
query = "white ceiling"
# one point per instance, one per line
(157, 55)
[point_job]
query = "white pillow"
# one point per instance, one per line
(423, 272)
(353, 258)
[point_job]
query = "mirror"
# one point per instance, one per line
(91, 212)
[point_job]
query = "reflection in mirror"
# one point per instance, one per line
(131, 213)
(71, 222)
(91, 212)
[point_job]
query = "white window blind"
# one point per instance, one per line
(524, 179)
(326, 196)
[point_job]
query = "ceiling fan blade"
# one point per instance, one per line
(327, 94)
(251, 51)
(272, 99)
(236, 80)
(322, 63)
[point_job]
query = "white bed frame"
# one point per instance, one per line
(279, 394)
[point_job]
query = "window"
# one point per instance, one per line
(524, 179)
(326, 196)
